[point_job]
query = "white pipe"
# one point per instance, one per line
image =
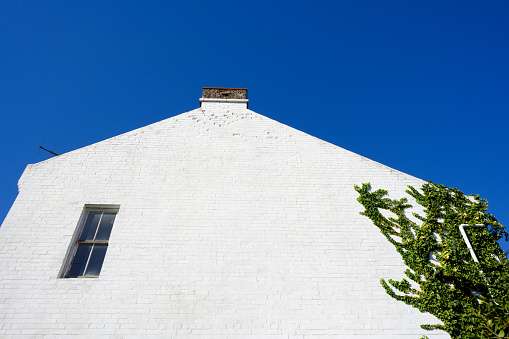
(465, 237)
(472, 253)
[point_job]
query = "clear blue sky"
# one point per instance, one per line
(420, 86)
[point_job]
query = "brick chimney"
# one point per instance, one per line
(217, 95)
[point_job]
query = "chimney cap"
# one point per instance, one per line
(224, 93)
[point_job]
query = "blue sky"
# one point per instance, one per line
(420, 86)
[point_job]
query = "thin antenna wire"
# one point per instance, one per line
(47, 150)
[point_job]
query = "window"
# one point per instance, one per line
(87, 254)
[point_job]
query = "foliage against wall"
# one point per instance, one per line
(442, 278)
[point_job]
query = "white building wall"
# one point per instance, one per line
(231, 225)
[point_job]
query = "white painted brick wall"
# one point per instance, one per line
(231, 225)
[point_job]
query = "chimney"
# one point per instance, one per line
(218, 95)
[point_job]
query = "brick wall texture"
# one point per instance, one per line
(231, 225)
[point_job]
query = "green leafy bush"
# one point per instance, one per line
(442, 278)
(493, 319)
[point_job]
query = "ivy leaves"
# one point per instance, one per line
(442, 278)
(494, 319)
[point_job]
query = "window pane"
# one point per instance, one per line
(80, 261)
(96, 260)
(90, 226)
(105, 227)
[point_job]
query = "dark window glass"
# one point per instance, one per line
(80, 261)
(96, 260)
(92, 244)
(105, 227)
(90, 227)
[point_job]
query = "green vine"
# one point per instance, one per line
(442, 278)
